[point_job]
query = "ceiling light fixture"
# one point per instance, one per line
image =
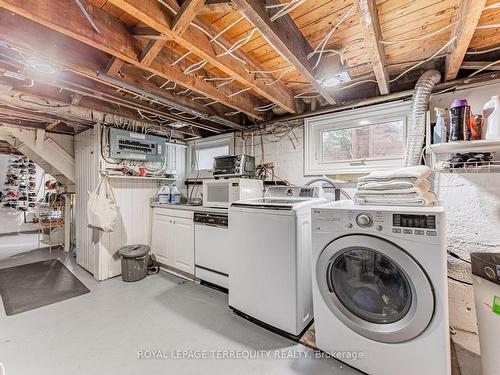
(331, 82)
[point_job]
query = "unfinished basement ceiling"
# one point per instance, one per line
(204, 68)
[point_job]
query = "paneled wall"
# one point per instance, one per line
(97, 251)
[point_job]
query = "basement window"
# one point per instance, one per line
(201, 154)
(357, 141)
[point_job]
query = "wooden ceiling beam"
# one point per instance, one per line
(152, 50)
(220, 7)
(114, 66)
(286, 38)
(187, 13)
(476, 65)
(370, 25)
(468, 15)
(28, 37)
(156, 16)
(117, 41)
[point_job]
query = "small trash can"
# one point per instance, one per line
(135, 260)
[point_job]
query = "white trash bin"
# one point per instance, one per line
(486, 284)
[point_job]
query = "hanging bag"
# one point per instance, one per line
(101, 207)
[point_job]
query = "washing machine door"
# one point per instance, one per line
(375, 288)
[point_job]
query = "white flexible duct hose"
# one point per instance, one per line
(416, 128)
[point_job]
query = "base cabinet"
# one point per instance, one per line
(172, 238)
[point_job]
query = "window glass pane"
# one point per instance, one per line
(205, 156)
(370, 285)
(384, 140)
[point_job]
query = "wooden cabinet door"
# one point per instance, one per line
(184, 245)
(162, 238)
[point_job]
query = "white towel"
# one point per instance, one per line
(428, 199)
(405, 193)
(414, 174)
(393, 185)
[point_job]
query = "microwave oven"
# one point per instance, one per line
(234, 166)
(222, 193)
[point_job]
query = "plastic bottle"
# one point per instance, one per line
(175, 195)
(440, 129)
(491, 113)
(164, 195)
(459, 124)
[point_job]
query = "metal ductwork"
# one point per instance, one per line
(416, 128)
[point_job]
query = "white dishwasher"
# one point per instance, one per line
(211, 248)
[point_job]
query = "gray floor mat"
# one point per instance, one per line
(29, 286)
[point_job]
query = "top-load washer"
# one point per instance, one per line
(270, 278)
(380, 288)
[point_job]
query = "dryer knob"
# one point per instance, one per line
(364, 220)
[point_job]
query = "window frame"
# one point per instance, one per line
(315, 127)
(209, 142)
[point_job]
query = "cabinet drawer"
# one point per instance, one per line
(173, 212)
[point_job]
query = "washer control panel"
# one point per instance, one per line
(419, 225)
(395, 223)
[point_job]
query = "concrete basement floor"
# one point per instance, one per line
(104, 332)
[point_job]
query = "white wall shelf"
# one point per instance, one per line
(143, 178)
(484, 145)
(492, 167)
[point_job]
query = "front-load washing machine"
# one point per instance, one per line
(380, 288)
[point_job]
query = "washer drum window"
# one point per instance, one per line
(375, 288)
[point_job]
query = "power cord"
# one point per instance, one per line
(459, 281)
(456, 256)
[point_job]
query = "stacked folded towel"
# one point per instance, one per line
(401, 187)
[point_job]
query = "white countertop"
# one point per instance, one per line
(186, 207)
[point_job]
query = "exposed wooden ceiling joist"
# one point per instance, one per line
(284, 35)
(152, 50)
(476, 65)
(187, 13)
(468, 16)
(370, 25)
(117, 41)
(156, 16)
(218, 7)
(114, 66)
(86, 62)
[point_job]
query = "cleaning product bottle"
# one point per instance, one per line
(459, 124)
(164, 195)
(491, 114)
(440, 129)
(175, 195)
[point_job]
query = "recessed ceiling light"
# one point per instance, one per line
(364, 122)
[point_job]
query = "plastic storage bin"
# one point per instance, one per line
(135, 260)
(486, 284)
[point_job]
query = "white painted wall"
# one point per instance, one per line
(287, 154)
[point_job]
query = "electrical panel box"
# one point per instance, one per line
(136, 146)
